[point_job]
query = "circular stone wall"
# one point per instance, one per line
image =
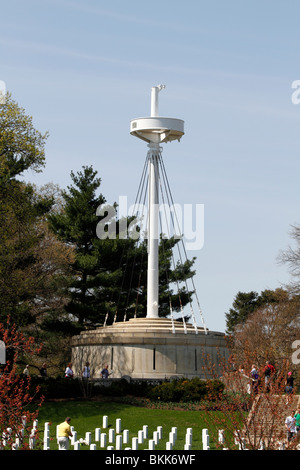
(148, 348)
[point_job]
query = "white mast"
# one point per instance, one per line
(154, 130)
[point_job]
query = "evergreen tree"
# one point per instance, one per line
(76, 226)
(245, 303)
(110, 271)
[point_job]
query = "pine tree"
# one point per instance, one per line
(109, 274)
(76, 226)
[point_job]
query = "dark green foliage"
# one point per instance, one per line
(246, 303)
(21, 210)
(21, 145)
(176, 391)
(96, 285)
(184, 390)
(110, 271)
(56, 387)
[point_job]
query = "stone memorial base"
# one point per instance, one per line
(149, 348)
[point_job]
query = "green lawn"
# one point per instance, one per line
(87, 416)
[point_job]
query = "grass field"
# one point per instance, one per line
(86, 416)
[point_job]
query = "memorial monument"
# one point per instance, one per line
(151, 347)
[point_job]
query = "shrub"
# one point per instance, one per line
(59, 387)
(185, 390)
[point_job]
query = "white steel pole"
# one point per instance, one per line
(152, 273)
(154, 99)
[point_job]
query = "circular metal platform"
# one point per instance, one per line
(157, 129)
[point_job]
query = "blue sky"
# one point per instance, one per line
(84, 69)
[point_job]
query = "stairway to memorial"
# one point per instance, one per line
(265, 427)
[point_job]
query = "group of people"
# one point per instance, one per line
(86, 372)
(268, 374)
(42, 370)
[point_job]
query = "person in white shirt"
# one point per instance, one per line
(86, 371)
(290, 425)
(69, 371)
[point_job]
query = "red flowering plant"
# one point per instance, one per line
(16, 420)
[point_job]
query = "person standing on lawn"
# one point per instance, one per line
(64, 434)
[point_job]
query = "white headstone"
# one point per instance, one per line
(46, 441)
(103, 440)
(105, 421)
(135, 443)
(145, 430)
(125, 436)
(172, 437)
(188, 438)
(97, 434)
(221, 436)
(151, 444)
(141, 437)
(205, 442)
(111, 435)
(156, 437)
(32, 442)
(74, 437)
(119, 442)
(118, 426)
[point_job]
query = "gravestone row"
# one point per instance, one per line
(113, 438)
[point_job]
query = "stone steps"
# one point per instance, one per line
(153, 324)
(266, 420)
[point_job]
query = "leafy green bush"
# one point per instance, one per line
(185, 390)
(182, 390)
(122, 387)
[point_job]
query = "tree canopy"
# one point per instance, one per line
(245, 303)
(269, 330)
(27, 263)
(22, 147)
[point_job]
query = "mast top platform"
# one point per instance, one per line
(156, 129)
